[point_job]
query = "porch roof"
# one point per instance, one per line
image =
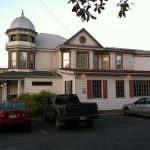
(34, 74)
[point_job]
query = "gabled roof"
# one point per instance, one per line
(83, 30)
(34, 74)
(48, 41)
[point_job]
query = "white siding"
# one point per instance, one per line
(55, 88)
(128, 62)
(111, 102)
(43, 61)
(141, 63)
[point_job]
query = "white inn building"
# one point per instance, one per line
(110, 77)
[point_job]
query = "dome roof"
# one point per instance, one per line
(22, 22)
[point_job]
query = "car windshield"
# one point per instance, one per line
(13, 106)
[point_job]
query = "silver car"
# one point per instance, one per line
(140, 107)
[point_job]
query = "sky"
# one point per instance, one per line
(56, 17)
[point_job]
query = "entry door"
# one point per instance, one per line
(68, 87)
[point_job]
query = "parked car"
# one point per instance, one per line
(140, 107)
(67, 108)
(15, 114)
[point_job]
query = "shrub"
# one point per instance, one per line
(35, 101)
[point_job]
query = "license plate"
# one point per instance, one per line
(82, 118)
(12, 116)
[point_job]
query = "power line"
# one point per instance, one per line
(55, 17)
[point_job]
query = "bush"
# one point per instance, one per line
(35, 101)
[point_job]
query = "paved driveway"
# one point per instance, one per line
(110, 132)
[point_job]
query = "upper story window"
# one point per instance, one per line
(13, 60)
(105, 62)
(23, 37)
(119, 61)
(32, 60)
(96, 61)
(23, 59)
(32, 39)
(13, 37)
(82, 60)
(66, 60)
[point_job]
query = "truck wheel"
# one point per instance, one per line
(89, 123)
(59, 124)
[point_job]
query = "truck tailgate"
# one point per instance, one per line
(81, 109)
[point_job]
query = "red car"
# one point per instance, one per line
(15, 114)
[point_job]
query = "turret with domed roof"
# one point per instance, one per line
(21, 45)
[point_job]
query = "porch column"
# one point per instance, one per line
(19, 87)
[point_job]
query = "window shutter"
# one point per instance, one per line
(104, 88)
(89, 89)
(131, 88)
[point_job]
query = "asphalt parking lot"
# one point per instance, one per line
(110, 132)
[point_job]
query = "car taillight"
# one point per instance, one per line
(25, 115)
(1, 115)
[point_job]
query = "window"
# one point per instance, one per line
(41, 83)
(82, 39)
(32, 60)
(141, 87)
(96, 88)
(13, 62)
(105, 62)
(32, 39)
(119, 88)
(23, 37)
(66, 60)
(23, 59)
(119, 62)
(14, 37)
(96, 61)
(82, 59)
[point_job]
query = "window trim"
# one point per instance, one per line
(23, 60)
(63, 59)
(117, 68)
(13, 60)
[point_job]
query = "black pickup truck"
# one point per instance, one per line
(65, 109)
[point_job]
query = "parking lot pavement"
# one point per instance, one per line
(110, 132)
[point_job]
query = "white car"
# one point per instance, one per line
(140, 107)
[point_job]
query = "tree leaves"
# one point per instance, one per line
(124, 6)
(83, 8)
